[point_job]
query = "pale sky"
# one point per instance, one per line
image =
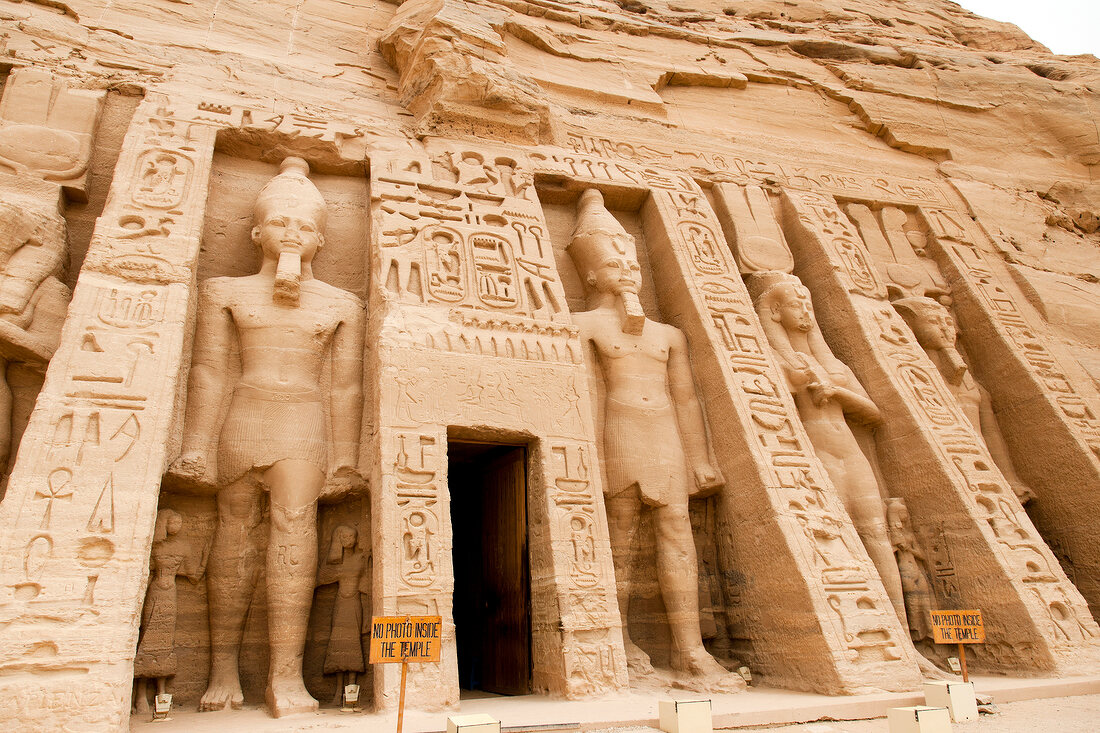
(1063, 26)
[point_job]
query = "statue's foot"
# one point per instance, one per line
(289, 697)
(141, 704)
(928, 670)
(223, 689)
(637, 661)
(705, 673)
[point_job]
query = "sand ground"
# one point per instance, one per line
(1025, 705)
(1054, 715)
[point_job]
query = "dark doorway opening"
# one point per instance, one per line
(492, 595)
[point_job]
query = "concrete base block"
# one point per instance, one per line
(958, 697)
(685, 716)
(919, 719)
(479, 723)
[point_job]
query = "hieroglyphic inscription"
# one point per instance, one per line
(819, 213)
(417, 473)
(83, 495)
(590, 645)
(464, 231)
(467, 389)
(952, 231)
(861, 615)
(988, 497)
(575, 508)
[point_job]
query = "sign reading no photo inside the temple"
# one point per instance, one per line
(958, 627)
(405, 639)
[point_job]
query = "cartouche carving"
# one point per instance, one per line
(290, 327)
(654, 444)
(932, 324)
(827, 394)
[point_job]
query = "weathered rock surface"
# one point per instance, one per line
(894, 158)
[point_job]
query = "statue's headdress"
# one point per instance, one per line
(763, 284)
(914, 307)
(597, 235)
(290, 187)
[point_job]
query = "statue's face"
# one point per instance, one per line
(616, 275)
(347, 538)
(174, 524)
(897, 515)
(793, 310)
(934, 328)
(293, 228)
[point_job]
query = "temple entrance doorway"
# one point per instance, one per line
(488, 486)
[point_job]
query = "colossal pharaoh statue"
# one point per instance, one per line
(654, 443)
(934, 328)
(287, 328)
(827, 394)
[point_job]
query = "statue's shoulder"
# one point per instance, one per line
(229, 289)
(668, 329)
(344, 301)
(218, 288)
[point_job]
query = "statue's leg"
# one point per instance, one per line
(678, 573)
(291, 576)
(141, 695)
(338, 698)
(623, 513)
(865, 506)
(230, 579)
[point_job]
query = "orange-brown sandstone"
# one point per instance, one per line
(639, 341)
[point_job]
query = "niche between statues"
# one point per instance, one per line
(343, 525)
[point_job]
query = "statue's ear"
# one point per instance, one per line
(256, 234)
(591, 279)
(320, 241)
(775, 312)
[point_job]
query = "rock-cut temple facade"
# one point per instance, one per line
(640, 341)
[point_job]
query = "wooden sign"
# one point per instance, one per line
(397, 639)
(958, 627)
(405, 639)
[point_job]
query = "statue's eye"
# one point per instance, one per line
(278, 222)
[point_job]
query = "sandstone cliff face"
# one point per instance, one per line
(981, 100)
(863, 157)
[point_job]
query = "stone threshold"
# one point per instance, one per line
(539, 714)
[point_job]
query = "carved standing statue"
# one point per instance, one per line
(920, 600)
(345, 566)
(172, 555)
(916, 586)
(827, 394)
(934, 328)
(287, 328)
(32, 299)
(654, 444)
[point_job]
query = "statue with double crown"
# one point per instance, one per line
(654, 439)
